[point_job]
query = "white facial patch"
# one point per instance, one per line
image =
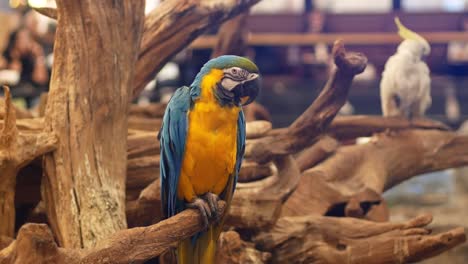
(229, 84)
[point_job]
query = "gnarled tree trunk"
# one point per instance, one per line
(96, 47)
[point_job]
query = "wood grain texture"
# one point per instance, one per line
(361, 173)
(94, 55)
(318, 239)
(35, 243)
(306, 128)
(17, 149)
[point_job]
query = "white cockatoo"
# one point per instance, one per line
(405, 88)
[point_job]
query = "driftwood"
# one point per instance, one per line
(304, 130)
(20, 113)
(300, 192)
(359, 174)
(17, 149)
(171, 27)
(351, 127)
(318, 239)
(233, 250)
(35, 243)
(84, 184)
(175, 24)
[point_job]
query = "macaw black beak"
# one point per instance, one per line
(248, 90)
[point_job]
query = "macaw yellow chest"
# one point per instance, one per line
(211, 146)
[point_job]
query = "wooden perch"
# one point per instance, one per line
(258, 204)
(316, 153)
(350, 127)
(233, 250)
(318, 239)
(35, 243)
(363, 172)
(172, 26)
(305, 129)
(252, 171)
(17, 149)
(146, 210)
(255, 204)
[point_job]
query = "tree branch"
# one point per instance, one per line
(316, 153)
(318, 239)
(258, 204)
(387, 160)
(313, 122)
(95, 50)
(35, 243)
(173, 25)
(17, 149)
(350, 127)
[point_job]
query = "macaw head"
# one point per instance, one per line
(236, 79)
(413, 42)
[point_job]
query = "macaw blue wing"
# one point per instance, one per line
(240, 145)
(172, 140)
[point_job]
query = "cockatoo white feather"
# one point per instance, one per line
(406, 84)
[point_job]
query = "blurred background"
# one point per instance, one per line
(290, 41)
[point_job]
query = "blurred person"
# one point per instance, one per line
(25, 56)
(42, 29)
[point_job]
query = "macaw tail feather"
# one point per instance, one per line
(200, 249)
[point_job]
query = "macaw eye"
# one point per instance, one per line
(234, 71)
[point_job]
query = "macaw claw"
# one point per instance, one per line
(205, 211)
(212, 200)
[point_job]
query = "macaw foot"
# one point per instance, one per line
(202, 206)
(212, 200)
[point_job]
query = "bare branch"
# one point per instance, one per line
(17, 149)
(173, 25)
(35, 243)
(313, 122)
(318, 239)
(388, 159)
(349, 127)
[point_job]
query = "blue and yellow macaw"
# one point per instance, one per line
(202, 146)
